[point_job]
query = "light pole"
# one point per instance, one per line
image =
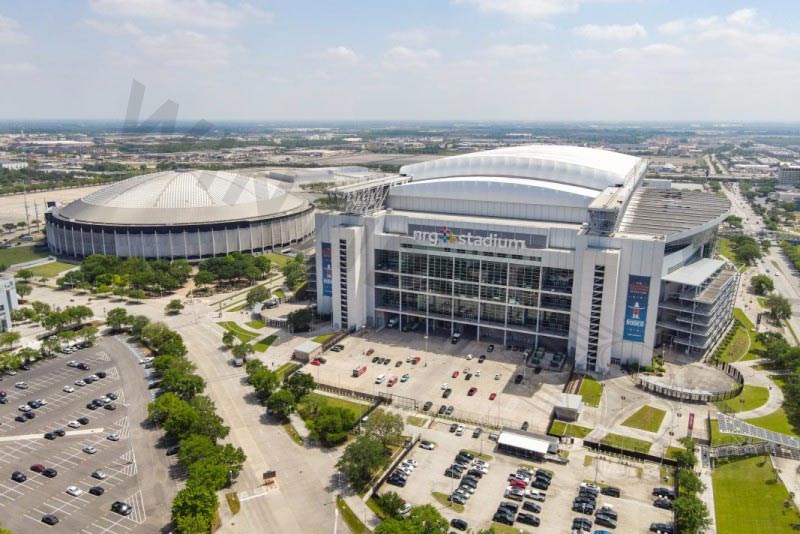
(426, 342)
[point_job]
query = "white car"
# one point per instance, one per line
(482, 468)
(12, 372)
(99, 475)
(72, 363)
(427, 445)
(445, 386)
(21, 385)
(80, 383)
(403, 510)
(113, 437)
(466, 370)
(469, 356)
(411, 461)
(74, 491)
(536, 495)
(24, 408)
(89, 450)
(74, 424)
(42, 402)
(95, 378)
(478, 372)
(104, 399)
(68, 389)
(146, 360)
(497, 376)
(460, 430)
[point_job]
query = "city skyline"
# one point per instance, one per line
(527, 60)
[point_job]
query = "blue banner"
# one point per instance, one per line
(636, 308)
(327, 271)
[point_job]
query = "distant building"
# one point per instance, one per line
(788, 175)
(8, 302)
(13, 165)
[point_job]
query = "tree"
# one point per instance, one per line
(386, 427)
(689, 483)
(242, 350)
(24, 274)
(360, 459)
(173, 307)
(252, 366)
(23, 290)
(210, 424)
(182, 420)
(28, 354)
(427, 520)
(778, 306)
(208, 473)
(300, 384)
(196, 507)
(204, 278)
(295, 272)
(265, 382)
(300, 320)
(691, 514)
(390, 504)
(331, 425)
(282, 402)
(116, 318)
(195, 448)
(182, 384)
(137, 294)
(88, 333)
(160, 409)
(9, 226)
(228, 339)
(257, 294)
(138, 324)
(8, 339)
(762, 284)
(232, 457)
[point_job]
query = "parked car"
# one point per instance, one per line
(427, 445)
(455, 374)
(49, 519)
(427, 406)
(18, 476)
(442, 409)
(518, 379)
(121, 508)
(459, 524)
(663, 503)
(611, 491)
(75, 491)
(446, 393)
(531, 507)
(528, 519)
(50, 472)
(97, 490)
(472, 391)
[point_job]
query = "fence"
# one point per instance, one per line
(602, 447)
(407, 448)
(693, 395)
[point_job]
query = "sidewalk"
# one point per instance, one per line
(708, 495)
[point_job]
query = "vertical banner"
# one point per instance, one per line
(327, 271)
(691, 421)
(636, 308)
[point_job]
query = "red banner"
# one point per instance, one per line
(691, 421)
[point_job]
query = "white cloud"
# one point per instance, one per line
(519, 51)
(652, 51)
(194, 13)
(18, 68)
(410, 58)
(183, 48)
(340, 54)
(742, 17)
(422, 36)
(673, 27)
(533, 9)
(113, 28)
(10, 32)
(611, 32)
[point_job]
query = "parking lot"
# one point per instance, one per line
(636, 480)
(531, 400)
(22, 504)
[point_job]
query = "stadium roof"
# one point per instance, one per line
(571, 165)
(182, 197)
(695, 273)
(670, 212)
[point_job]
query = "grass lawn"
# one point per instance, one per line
(753, 397)
(243, 335)
(748, 497)
(350, 518)
(500, 528)
(756, 348)
(290, 430)
(238, 307)
(762, 302)
(21, 254)
(356, 407)
(416, 421)
(255, 325)
(372, 504)
(588, 460)
(441, 498)
(323, 338)
(626, 443)
(279, 293)
(285, 368)
(726, 250)
(233, 502)
(49, 270)
(646, 418)
(476, 454)
(560, 428)
(264, 343)
(672, 451)
(591, 391)
(777, 421)
(278, 259)
(737, 347)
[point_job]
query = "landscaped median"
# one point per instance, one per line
(750, 398)
(350, 518)
(646, 418)
(264, 343)
(625, 443)
(243, 335)
(560, 428)
(591, 391)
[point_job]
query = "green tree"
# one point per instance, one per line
(300, 384)
(300, 320)
(778, 306)
(295, 273)
(24, 274)
(386, 427)
(182, 384)
(204, 278)
(689, 483)
(9, 339)
(182, 421)
(159, 410)
(28, 354)
(88, 333)
(242, 350)
(197, 447)
(265, 382)
(390, 504)
(331, 425)
(256, 295)
(282, 402)
(138, 324)
(252, 366)
(762, 284)
(23, 290)
(228, 339)
(427, 520)
(173, 307)
(208, 473)
(193, 509)
(210, 424)
(116, 318)
(137, 294)
(360, 460)
(691, 514)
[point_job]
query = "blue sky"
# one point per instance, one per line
(409, 60)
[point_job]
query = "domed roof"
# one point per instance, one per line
(182, 197)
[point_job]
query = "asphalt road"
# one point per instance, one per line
(22, 444)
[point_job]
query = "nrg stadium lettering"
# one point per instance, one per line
(446, 237)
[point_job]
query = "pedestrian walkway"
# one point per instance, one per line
(754, 377)
(708, 495)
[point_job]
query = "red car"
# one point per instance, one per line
(455, 374)
(315, 362)
(37, 468)
(517, 484)
(472, 392)
(492, 396)
(416, 360)
(392, 381)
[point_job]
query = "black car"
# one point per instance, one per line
(477, 432)
(518, 379)
(49, 519)
(153, 385)
(540, 484)
(467, 376)
(666, 528)
(29, 415)
(580, 523)
(83, 366)
(466, 455)
(50, 436)
(121, 508)
(456, 498)
(33, 404)
(427, 406)
(110, 407)
(59, 432)
(20, 419)
(608, 512)
(375, 359)
(475, 473)
(531, 507)
(83, 420)
(605, 521)
(101, 374)
(449, 410)
(453, 427)
(459, 524)
(664, 504)
(509, 507)
(397, 481)
(18, 476)
(528, 519)
(50, 472)
(664, 492)
(173, 450)
(525, 425)
(470, 482)
(451, 473)
(611, 491)
(96, 490)
(386, 361)
(3, 400)
(446, 393)
(442, 409)
(541, 473)
(583, 508)
(92, 406)
(111, 396)
(490, 348)
(501, 517)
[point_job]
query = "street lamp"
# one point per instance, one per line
(426, 342)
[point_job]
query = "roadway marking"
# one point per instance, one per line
(41, 436)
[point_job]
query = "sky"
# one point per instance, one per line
(477, 60)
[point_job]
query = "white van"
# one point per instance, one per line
(379, 379)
